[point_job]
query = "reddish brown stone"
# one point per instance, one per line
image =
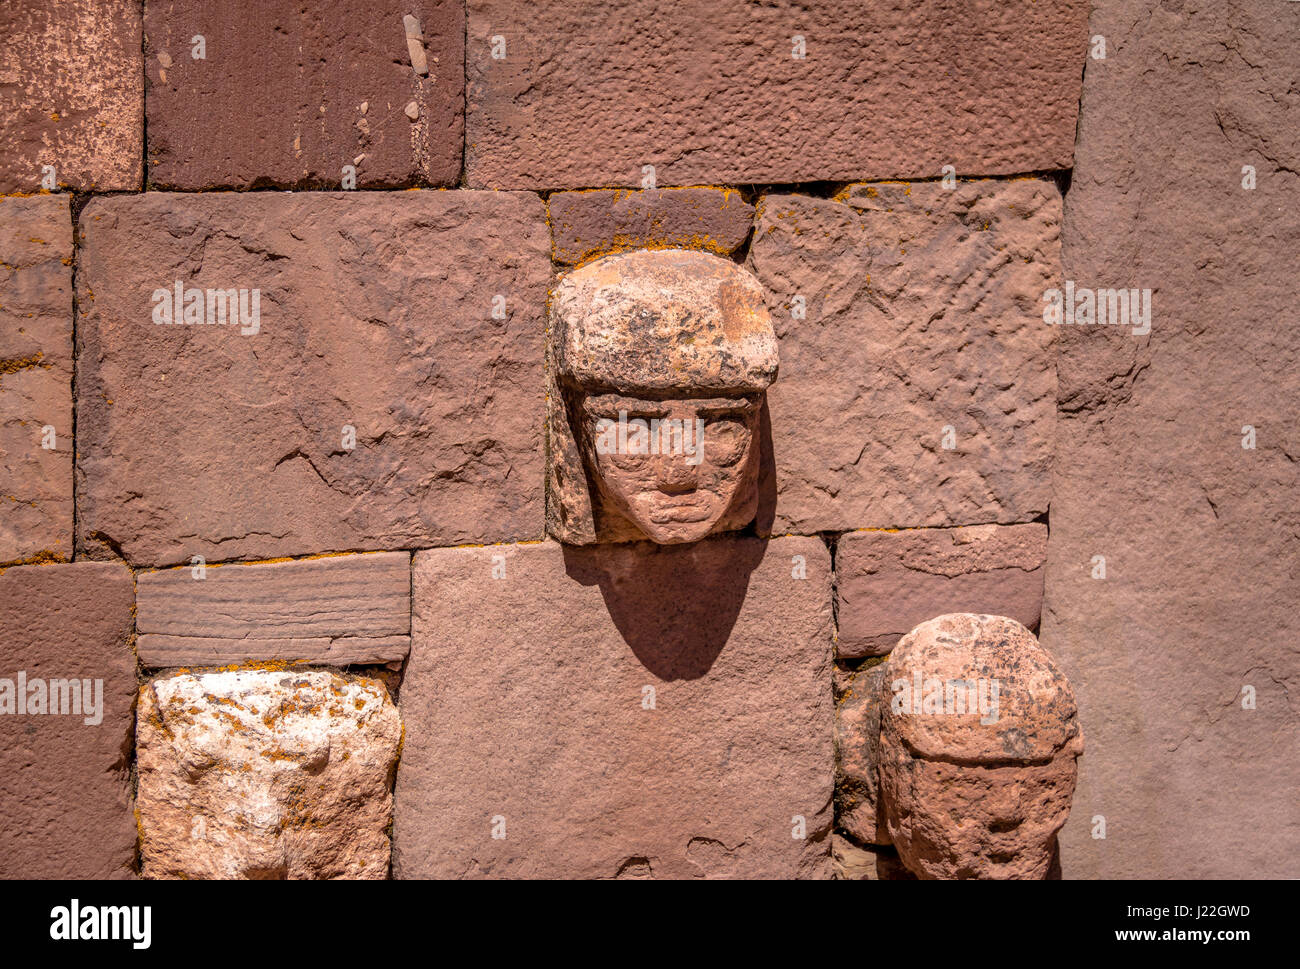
(525, 696)
(35, 379)
(288, 94)
(603, 221)
(339, 611)
(857, 751)
(923, 328)
(886, 583)
(1200, 537)
(65, 784)
(708, 92)
(71, 95)
(376, 313)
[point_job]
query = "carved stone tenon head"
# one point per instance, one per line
(659, 360)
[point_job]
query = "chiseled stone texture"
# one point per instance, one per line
(335, 611)
(888, 582)
(525, 696)
(266, 774)
(290, 93)
(35, 378)
(1201, 538)
(708, 92)
(602, 221)
(923, 313)
(65, 784)
(857, 751)
(71, 95)
(376, 313)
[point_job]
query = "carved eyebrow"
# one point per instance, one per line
(612, 403)
(727, 405)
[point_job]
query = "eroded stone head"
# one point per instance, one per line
(659, 361)
(979, 737)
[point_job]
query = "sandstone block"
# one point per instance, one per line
(618, 711)
(65, 745)
(377, 86)
(857, 752)
(378, 405)
(335, 611)
(919, 388)
(265, 774)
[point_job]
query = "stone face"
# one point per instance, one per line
(335, 611)
(375, 315)
(71, 95)
(923, 328)
(265, 774)
(603, 221)
(1200, 536)
(857, 752)
(638, 339)
(65, 783)
(287, 95)
(581, 95)
(35, 379)
(526, 698)
(979, 736)
(886, 583)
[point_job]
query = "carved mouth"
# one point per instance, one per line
(666, 510)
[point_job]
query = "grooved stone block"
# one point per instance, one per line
(376, 314)
(65, 783)
(589, 224)
(71, 95)
(887, 583)
(287, 93)
(336, 611)
(582, 93)
(922, 328)
(618, 711)
(35, 378)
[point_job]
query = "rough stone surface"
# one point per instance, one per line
(65, 784)
(857, 751)
(524, 701)
(649, 336)
(923, 314)
(854, 862)
(71, 95)
(603, 221)
(265, 774)
(35, 379)
(376, 314)
(888, 582)
(288, 94)
(708, 92)
(975, 785)
(1201, 538)
(336, 611)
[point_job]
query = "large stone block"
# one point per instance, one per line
(918, 388)
(288, 94)
(1199, 536)
(337, 611)
(887, 583)
(71, 95)
(579, 93)
(67, 691)
(618, 711)
(376, 314)
(35, 379)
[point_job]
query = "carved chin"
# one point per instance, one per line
(673, 519)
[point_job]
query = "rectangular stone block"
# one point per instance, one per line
(35, 379)
(379, 404)
(917, 384)
(888, 583)
(71, 96)
(619, 711)
(579, 93)
(67, 695)
(599, 222)
(287, 94)
(336, 611)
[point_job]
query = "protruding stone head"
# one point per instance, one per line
(979, 738)
(660, 360)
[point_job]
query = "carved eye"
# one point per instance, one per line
(726, 440)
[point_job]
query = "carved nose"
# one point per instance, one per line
(676, 475)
